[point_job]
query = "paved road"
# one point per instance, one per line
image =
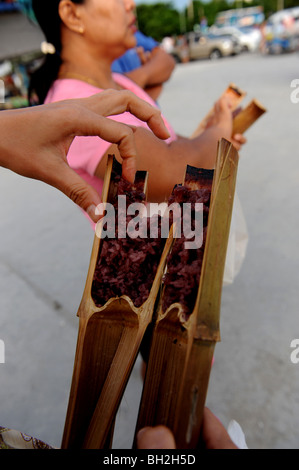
(253, 379)
(44, 256)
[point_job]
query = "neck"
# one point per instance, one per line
(80, 61)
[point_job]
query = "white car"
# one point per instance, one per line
(248, 37)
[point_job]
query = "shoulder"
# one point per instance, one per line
(69, 88)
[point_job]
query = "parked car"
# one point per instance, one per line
(249, 37)
(236, 47)
(205, 46)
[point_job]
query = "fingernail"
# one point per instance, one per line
(94, 212)
(167, 133)
(142, 431)
(130, 175)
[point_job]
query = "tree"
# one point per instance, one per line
(158, 20)
(162, 19)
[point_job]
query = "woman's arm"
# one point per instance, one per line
(166, 162)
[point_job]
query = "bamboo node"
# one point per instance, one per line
(205, 333)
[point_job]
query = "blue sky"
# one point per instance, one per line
(178, 4)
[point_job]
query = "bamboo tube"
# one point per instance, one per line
(108, 342)
(181, 351)
(247, 116)
(236, 96)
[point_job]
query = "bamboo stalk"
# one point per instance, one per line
(236, 96)
(181, 351)
(108, 342)
(247, 116)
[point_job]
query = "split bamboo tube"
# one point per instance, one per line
(108, 342)
(181, 351)
(247, 116)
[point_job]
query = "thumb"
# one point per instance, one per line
(214, 433)
(78, 190)
(159, 437)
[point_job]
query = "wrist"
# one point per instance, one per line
(4, 139)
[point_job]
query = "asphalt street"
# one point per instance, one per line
(44, 256)
(253, 379)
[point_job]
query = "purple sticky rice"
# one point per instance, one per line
(184, 265)
(126, 266)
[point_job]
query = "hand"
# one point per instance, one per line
(238, 140)
(143, 55)
(155, 69)
(214, 435)
(34, 142)
(222, 117)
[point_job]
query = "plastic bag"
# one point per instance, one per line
(236, 434)
(237, 243)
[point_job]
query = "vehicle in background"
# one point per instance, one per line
(205, 46)
(249, 37)
(236, 45)
(282, 31)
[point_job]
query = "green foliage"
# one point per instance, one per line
(162, 19)
(158, 20)
(209, 10)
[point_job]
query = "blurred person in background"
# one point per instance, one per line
(147, 64)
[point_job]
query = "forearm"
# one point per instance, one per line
(166, 162)
(167, 167)
(154, 91)
(160, 67)
(200, 151)
(11, 139)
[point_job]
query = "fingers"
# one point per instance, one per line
(114, 102)
(223, 113)
(75, 188)
(111, 102)
(149, 114)
(116, 133)
(223, 105)
(143, 55)
(158, 437)
(214, 433)
(238, 140)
